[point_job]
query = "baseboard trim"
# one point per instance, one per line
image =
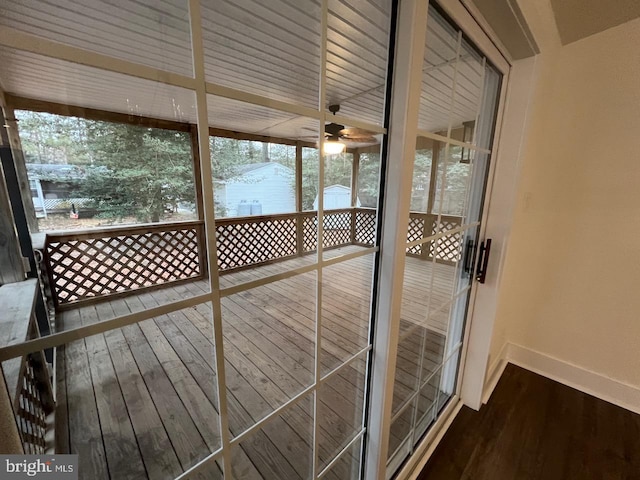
(593, 383)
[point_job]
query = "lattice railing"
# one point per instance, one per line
(416, 231)
(27, 378)
(309, 232)
(337, 228)
(252, 240)
(448, 248)
(32, 406)
(61, 203)
(365, 226)
(249, 241)
(100, 263)
(104, 262)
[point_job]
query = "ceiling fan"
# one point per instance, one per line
(337, 137)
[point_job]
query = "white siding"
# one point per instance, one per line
(272, 186)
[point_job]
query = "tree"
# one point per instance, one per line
(144, 172)
(451, 170)
(128, 170)
(48, 138)
(456, 179)
(137, 171)
(369, 179)
(421, 180)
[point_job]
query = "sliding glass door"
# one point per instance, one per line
(455, 126)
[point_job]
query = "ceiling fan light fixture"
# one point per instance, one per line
(333, 147)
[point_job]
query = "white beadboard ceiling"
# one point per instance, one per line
(269, 48)
(44, 78)
(244, 117)
(439, 69)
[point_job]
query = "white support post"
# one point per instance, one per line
(407, 83)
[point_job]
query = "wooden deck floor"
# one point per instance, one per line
(141, 401)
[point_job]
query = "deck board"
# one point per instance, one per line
(85, 436)
(142, 399)
(268, 361)
(123, 455)
(155, 446)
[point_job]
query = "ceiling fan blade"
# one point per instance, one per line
(353, 131)
(360, 139)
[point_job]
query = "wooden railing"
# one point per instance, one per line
(364, 226)
(28, 379)
(89, 265)
(248, 241)
(33, 403)
(446, 249)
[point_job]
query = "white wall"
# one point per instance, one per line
(571, 281)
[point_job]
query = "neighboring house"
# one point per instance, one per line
(336, 196)
(52, 187)
(258, 188)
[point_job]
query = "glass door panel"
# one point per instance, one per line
(347, 466)
(340, 411)
(455, 125)
(282, 448)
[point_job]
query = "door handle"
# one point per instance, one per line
(468, 256)
(483, 260)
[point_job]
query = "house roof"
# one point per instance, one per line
(250, 167)
(338, 187)
(53, 170)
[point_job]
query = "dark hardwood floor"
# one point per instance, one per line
(535, 428)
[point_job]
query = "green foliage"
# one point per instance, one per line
(129, 170)
(141, 171)
(309, 177)
(369, 179)
(421, 180)
(457, 175)
(229, 155)
(48, 138)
